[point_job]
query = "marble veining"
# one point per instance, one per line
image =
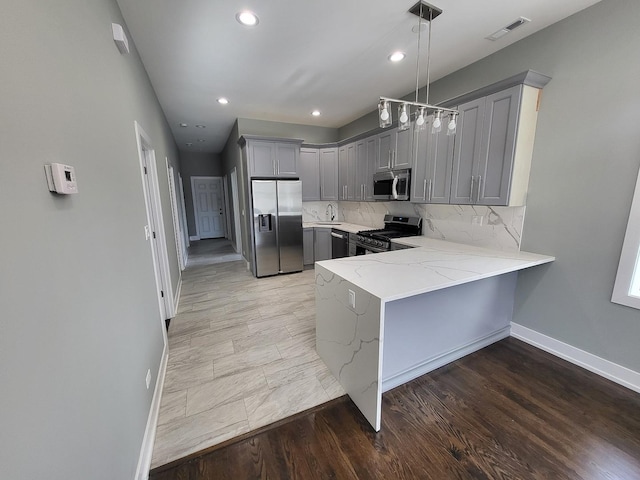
(500, 228)
(432, 265)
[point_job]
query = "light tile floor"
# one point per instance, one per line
(241, 355)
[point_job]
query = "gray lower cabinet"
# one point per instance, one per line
(322, 244)
(307, 246)
(484, 149)
(432, 165)
(329, 174)
(310, 173)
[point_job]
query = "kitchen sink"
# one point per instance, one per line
(328, 223)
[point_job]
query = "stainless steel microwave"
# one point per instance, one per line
(392, 185)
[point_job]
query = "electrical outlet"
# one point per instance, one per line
(477, 220)
(352, 299)
(148, 379)
(147, 232)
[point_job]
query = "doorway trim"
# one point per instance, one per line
(236, 210)
(194, 203)
(177, 224)
(155, 223)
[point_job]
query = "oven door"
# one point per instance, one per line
(368, 249)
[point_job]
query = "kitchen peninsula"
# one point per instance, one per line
(385, 319)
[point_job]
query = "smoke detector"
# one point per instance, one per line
(508, 29)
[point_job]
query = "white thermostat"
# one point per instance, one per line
(61, 178)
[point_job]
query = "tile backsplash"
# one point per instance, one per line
(492, 227)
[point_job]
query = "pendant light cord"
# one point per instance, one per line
(418, 56)
(429, 54)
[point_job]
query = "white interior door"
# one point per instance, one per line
(208, 205)
(154, 230)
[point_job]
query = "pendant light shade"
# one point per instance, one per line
(453, 124)
(403, 117)
(425, 13)
(384, 114)
(436, 126)
(421, 121)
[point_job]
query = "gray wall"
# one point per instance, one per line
(80, 321)
(583, 173)
(309, 133)
(195, 164)
(585, 164)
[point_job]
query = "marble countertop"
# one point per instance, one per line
(432, 265)
(344, 226)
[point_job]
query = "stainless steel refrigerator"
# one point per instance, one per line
(277, 226)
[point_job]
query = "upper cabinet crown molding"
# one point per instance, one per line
(242, 141)
(530, 78)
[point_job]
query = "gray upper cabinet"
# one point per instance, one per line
(394, 149)
(347, 171)
(266, 158)
(261, 158)
(386, 148)
(402, 157)
(329, 174)
(432, 165)
(498, 147)
(366, 154)
(310, 173)
(484, 149)
(286, 163)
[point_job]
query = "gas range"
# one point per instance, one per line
(379, 240)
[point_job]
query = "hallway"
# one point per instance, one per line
(241, 354)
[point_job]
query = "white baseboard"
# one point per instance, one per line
(176, 298)
(194, 238)
(605, 368)
(146, 451)
(443, 359)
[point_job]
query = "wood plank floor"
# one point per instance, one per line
(509, 411)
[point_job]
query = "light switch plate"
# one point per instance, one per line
(352, 299)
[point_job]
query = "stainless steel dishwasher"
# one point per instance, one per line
(339, 243)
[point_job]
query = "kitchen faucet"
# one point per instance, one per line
(330, 207)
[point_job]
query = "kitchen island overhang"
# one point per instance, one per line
(385, 319)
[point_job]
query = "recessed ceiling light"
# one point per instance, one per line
(247, 18)
(201, 126)
(316, 113)
(201, 140)
(189, 144)
(397, 56)
(223, 101)
(183, 125)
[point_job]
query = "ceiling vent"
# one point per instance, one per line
(508, 29)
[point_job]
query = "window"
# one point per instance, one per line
(626, 290)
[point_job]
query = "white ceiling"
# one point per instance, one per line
(304, 54)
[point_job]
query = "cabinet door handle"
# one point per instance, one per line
(473, 181)
(479, 182)
(430, 188)
(424, 189)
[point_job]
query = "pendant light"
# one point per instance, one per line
(425, 13)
